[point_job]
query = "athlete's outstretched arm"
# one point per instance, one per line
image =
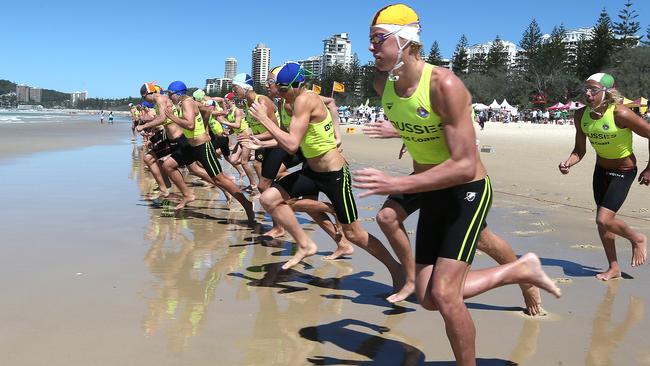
(580, 147)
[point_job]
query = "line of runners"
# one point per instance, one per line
(449, 185)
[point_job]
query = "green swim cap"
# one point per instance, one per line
(198, 94)
(603, 79)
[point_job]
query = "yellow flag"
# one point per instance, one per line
(315, 88)
(338, 87)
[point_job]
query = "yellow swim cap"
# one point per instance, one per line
(398, 14)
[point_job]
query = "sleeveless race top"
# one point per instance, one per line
(418, 125)
(243, 125)
(199, 128)
(319, 137)
(609, 141)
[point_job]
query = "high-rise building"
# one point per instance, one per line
(22, 93)
(218, 86)
(313, 65)
(337, 49)
(35, 94)
(261, 61)
(78, 96)
(510, 51)
(230, 69)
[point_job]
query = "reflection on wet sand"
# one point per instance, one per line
(527, 345)
(281, 316)
(607, 335)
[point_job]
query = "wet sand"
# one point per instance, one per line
(92, 274)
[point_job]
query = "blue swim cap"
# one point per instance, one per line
(177, 87)
(244, 80)
(291, 72)
(147, 104)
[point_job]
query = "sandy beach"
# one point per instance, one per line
(92, 274)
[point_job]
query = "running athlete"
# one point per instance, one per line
(238, 126)
(325, 171)
(173, 140)
(609, 125)
(212, 112)
(397, 208)
(135, 119)
(242, 86)
(198, 147)
(431, 109)
(275, 165)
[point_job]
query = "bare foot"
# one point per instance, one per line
(275, 232)
(343, 249)
(184, 202)
(303, 252)
(532, 299)
(537, 276)
(639, 251)
(403, 293)
(609, 274)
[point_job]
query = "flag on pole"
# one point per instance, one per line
(338, 87)
(316, 88)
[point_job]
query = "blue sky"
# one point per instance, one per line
(109, 48)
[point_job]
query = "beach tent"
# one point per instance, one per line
(480, 106)
(628, 102)
(574, 105)
(494, 105)
(506, 105)
(639, 102)
(557, 106)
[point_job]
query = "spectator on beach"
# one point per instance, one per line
(110, 117)
(101, 117)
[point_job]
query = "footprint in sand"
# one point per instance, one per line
(562, 280)
(585, 246)
(522, 212)
(531, 232)
(643, 210)
(542, 316)
(367, 219)
(540, 223)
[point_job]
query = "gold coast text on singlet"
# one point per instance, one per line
(609, 140)
(418, 125)
(199, 128)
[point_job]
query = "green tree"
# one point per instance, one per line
(460, 60)
(631, 69)
(627, 28)
(478, 63)
(582, 63)
(336, 72)
(435, 58)
(531, 43)
(601, 46)
(497, 57)
(647, 37)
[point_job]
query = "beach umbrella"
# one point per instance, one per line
(480, 106)
(575, 105)
(556, 106)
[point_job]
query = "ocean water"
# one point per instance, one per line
(49, 115)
